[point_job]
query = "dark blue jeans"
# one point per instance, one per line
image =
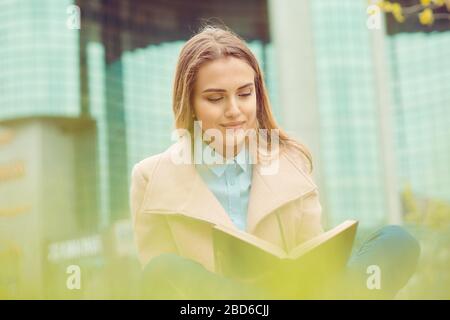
(377, 270)
(382, 265)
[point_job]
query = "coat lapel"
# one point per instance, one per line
(179, 189)
(271, 191)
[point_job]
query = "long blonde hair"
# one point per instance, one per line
(209, 44)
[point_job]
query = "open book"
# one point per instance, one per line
(305, 271)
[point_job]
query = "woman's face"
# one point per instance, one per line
(224, 99)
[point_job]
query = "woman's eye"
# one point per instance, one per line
(214, 99)
(245, 94)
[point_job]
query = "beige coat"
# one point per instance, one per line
(174, 211)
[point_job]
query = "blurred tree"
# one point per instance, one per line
(431, 213)
(10, 256)
(429, 221)
(423, 9)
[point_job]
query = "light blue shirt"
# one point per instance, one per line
(230, 182)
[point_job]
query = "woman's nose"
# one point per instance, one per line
(232, 109)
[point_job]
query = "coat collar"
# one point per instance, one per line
(178, 189)
(242, 159)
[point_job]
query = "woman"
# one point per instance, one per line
(250, 175)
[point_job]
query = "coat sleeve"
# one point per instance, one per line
(309, 219)
(310, 223)
(152, 234)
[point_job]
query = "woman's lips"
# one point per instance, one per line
(233, 125)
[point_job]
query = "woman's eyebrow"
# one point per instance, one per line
(222, 90)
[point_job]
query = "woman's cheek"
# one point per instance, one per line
(210, 119)
(251, 112)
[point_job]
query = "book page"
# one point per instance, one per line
(347, 226)
(253, 240)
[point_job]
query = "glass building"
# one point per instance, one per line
(420, 82)
(39, 60)
(347, 103)
(348, 82)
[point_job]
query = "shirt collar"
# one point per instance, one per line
(242, 159)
